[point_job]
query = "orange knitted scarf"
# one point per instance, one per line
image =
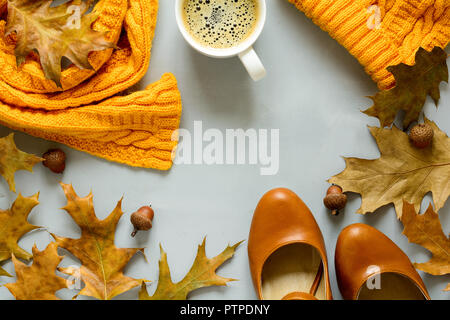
(382, 33)
(134, 129)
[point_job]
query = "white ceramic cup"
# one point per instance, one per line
(243, 50)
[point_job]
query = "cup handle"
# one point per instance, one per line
(253, 64)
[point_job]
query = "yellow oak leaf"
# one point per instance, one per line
(13, 225)
(202, 274)
(426, 231)
(54, 32)
(402, 172)
(12, 160)
(102, 263)
(413, 84)
(38, 281)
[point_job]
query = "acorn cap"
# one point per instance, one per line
(140, 222)
(142, 219)
(421, 135)
(55, 160)
(335, 202)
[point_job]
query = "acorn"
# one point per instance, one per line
(421, 135)
(142, 219)
(335, 199)
(55, 160)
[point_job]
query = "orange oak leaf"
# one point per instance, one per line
(13, 225)
(38, 281)
(426, 231)
(202, 274)
(102, 263)
(413, 85)
(12, 160)
(403, 172)
(448, 288)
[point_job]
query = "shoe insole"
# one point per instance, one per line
(390, 286)
(291, 268)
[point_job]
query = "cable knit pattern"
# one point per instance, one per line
(136, 129)
(406, 25)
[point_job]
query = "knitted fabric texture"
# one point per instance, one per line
(136, 129)
(404, 26)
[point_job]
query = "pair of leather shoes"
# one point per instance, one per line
(288, 259)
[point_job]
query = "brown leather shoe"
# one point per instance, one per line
(286, 250)
(369, 266)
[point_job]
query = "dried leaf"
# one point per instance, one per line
(12, 160)
(102, 263)
(426, 231)
(413, 84)
(38, 281)
(402, 171)
(13, 225)
(54, 32)
(202, 274)
(448, 288)
(4, 273)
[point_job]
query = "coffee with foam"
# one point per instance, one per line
(220, 24)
